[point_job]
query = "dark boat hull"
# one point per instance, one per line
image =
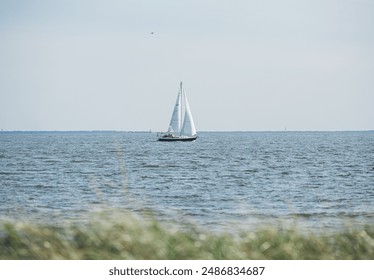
(172, 139)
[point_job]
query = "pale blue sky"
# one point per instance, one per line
(245, 64)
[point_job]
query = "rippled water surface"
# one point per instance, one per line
(220, 181)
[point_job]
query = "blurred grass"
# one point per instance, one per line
(122, 236)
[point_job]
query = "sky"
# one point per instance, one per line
(246, 65)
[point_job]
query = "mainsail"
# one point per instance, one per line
(188, 128)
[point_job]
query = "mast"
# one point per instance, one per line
(181, 107)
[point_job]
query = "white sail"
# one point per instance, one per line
(188, 128)
(176, 118)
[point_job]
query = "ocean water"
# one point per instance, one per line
(222, 181)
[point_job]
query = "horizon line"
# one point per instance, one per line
(202, 131)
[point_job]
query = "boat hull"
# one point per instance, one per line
(172, 139)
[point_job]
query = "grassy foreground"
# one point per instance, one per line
(124, 237)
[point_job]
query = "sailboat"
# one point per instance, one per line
(182, 126)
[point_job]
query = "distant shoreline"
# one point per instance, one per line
(203, 131)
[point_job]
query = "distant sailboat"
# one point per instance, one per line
(181, 127)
